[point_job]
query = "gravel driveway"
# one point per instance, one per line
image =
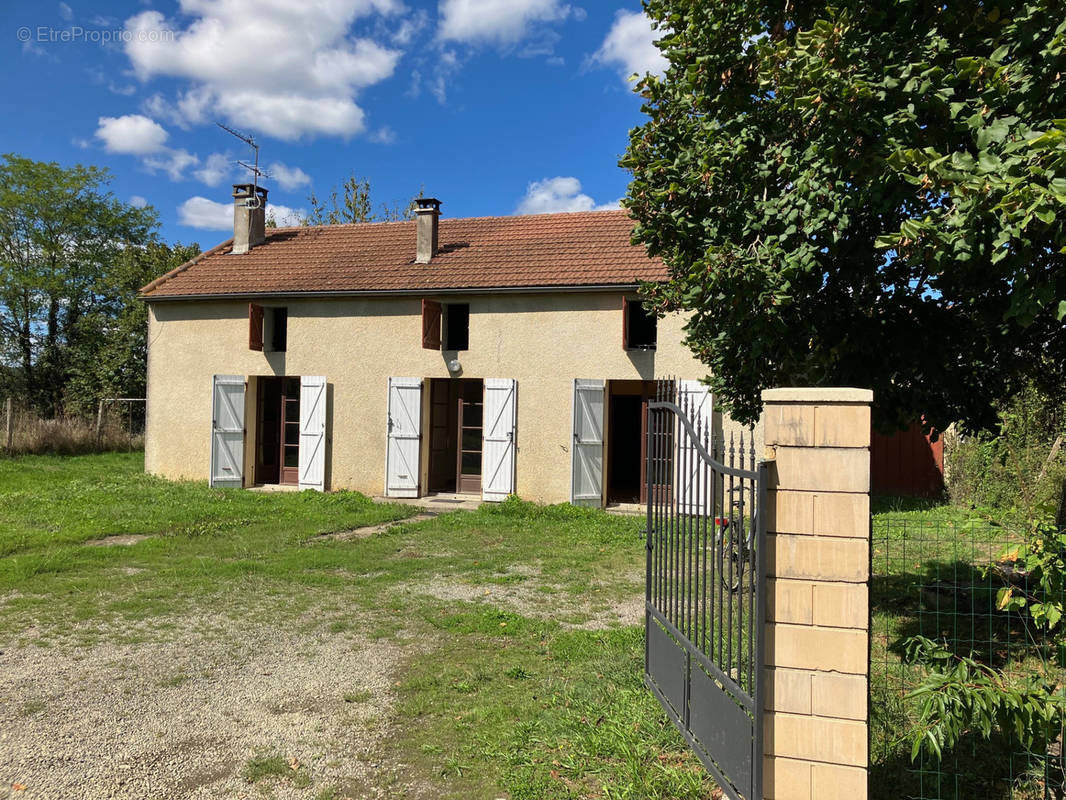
(181, 718)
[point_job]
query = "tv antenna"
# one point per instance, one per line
(253, 168)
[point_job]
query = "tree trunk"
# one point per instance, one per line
(53, 379)
(25, 348)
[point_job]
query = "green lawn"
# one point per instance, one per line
(536, 695)
(518, 679)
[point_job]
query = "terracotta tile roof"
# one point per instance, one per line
(588, 248)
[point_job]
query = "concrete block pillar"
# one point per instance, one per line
(817, 598)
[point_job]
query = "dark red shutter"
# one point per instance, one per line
(255, 327)
(625, 323)
(431, 325)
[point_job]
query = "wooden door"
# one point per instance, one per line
(290, 431)
(268, 430)
(663, 469)
(471, 418)
(443, 427)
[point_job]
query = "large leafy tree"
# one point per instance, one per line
(63, 243)
(111, 356)
(860, 193)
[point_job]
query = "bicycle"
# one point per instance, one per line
(738, 547)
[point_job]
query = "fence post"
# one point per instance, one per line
(9, 426)
(816, 742)
(99, 421)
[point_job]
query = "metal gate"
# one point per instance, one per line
(705, 587)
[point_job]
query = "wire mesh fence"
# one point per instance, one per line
(945, 581)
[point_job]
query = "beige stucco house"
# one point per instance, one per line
(483, 356)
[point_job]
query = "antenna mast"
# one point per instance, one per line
(253, 168)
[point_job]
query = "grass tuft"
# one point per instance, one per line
(260, 768)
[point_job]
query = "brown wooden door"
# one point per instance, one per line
(268, 430)
(663, 468)
(443, 427)
(468, 461)
(290, 431)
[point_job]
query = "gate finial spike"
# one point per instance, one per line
(732, 449)
(751, 439)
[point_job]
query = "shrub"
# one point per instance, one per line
(1013, 467)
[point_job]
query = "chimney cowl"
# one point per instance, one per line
(428, 217)
(249, 217)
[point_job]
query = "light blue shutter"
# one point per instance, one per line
(313, 432)
(498, 448)
(404, 437)
(227, 431)
(587, 455)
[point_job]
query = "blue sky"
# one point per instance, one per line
(494, 106)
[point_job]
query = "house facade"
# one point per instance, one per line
(483, 356)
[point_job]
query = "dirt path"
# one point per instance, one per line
(181, 719)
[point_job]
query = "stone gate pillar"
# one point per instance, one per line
(817, 635)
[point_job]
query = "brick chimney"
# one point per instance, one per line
(428, 213)
(249, 217)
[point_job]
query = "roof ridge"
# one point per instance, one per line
(384, 222)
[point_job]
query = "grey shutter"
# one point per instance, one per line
(313, 432)
(587, 455)
(498, 447)
(404, 437)
(227, 431)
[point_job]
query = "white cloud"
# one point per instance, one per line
(283, 69)
(175, 163)
(199, 212)
(558, 194)
(133, 134)
(137, 201)
(288, 178)
(410, 28)
(447, 64)
(137, 135)
(383, 135)
(215, 169)
(66, 12)
(630, 46)
(284, 216)
(495, 21)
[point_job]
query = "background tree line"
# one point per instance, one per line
(72, 259)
